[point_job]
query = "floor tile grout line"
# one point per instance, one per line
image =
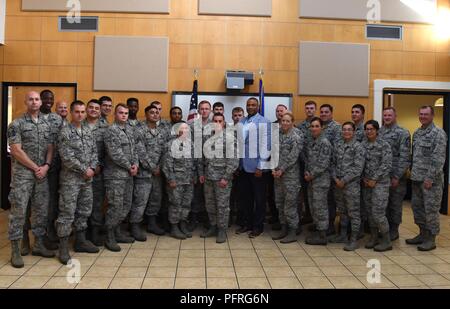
(319, 267)
(234, 266)
(257, 255)
(148, 266)
(176, 269)
(282, 253)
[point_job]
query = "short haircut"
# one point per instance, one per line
(219, 115)
(105, 99)
(204, 102)
(151, 106)
(428, 106)
(317, 119)
(290, 115)
(46, 91)
(120, 105)
(129, 100)
(93, 101)
(327, 106)
(373, 123)
(174, 108)
(282, 106)
(253, 99)
(237, 109)
(155, 103)
(218, 104)
(360, 107)
(390, 108)
(76, 103)
(349, 123)
(311, 102)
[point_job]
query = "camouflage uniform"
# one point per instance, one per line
(149, 148)
(103, 120)
(98, 184)
(158, 198)
(287, 188)
(303, 127)
(218, 166)
(35, 139)
(348, 165)
(360, 135)
(318, 160)
(400, 141)
(182, 171)
(378, 167)
(56, 123)
(78, 153)
(429, 153)
(120, 156)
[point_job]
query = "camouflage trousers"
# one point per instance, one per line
(348, 203)
(53, 186)
(119, 194)
(395, 204)
(375, 202)
(155, 196)
(217, 202)
(75, 207)
(286, 199)
(98, 193)
(198, 200)
(141, 197)
(318, 201)
(180, 199)
(22, 192)
(426, 205)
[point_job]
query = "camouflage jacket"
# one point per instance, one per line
(78, 152)
(178, 162)
(360, 135)
(348, 161)
(332, 131)
(35, 139)
(429, 153)
(290, 147)
(378, 159)
(120, 151)
(56, 123)
(150, 147)
(98, 130)
(400, 141)
(318, 156)
(220, 161)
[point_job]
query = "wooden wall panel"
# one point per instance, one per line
(213, 44)
(235, 7)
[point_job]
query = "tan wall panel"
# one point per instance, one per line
(208, 32)
(85, 78)
(23, 28)
(59, 53)
(85, 53)
(58, 74)
(244, 33)
(106, 26)
(385, 62)
(334, 69)
(415, 63)
(22, 52)
(131, 63)
(2, 48)
(50, 31)
(20, 73)
(279, 58)
(139, 6)
(317, 32)
(235, 7)
(419, 38)
(443, 64)
(391, 10)
(281, 34)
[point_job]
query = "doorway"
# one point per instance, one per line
(407, 104)
(13, 96)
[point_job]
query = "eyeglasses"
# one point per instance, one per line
(370, 129)
(347, 130)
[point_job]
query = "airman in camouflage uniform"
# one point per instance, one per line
(376, 179)
(400, 141)
(98, 129)
(287, 186)
(32, 148)
(217, 176)
(317, 166)
(347, 167)
(180, 171)
(78, 152)
(429, 154)
(121, 165)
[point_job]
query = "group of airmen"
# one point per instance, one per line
(110, 179)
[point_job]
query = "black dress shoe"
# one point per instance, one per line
(242, 230)
(255, 233)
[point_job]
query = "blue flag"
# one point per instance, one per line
(261, 97)
(193, 108)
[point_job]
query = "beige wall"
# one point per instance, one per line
(35, 51)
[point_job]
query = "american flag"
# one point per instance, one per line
(261, 97)
(194, 103)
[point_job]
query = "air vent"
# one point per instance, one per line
(384, 32)
(85, 24)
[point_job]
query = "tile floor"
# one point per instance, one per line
(163, 262)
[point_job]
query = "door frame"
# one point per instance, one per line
(4, 157)
(381, 87)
